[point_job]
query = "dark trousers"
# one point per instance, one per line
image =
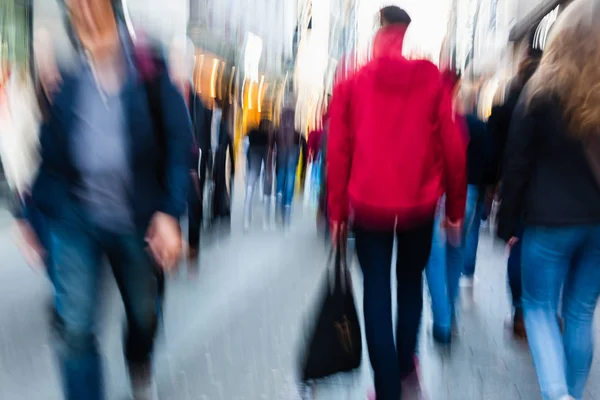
(222, 196)
(78, 249)
(39, 224)
(514, 272)
(391, 361)
(196, 205)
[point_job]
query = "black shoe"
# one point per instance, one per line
(519, 325)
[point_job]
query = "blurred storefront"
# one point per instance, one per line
(488, 38)
(532, 28)
(15, 29)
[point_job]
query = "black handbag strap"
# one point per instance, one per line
(152, 89)
(340, 270)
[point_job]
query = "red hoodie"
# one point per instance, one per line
(394, 147)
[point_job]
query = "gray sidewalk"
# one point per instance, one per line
(233, 332)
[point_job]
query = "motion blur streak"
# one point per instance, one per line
(228, 167)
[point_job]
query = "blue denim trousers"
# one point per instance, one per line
(40, 226)
(474, 214)
(446, 264)
(287, 164)
(554, 259)
(78, 249)
(391, 361)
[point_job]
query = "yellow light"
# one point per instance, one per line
(199, 73)
(260, 91)
(213, 79)
(220, 80)
(231, 84)
(250, 96)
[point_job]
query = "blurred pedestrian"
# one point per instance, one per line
(112, 182)
(223, 161)
(393, 149)
(288, 146)
(552, 179)
(498, 126)
(448, 260)
(258, 156)
(201, 120)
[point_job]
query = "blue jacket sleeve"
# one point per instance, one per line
(178, 133)
(51, 181)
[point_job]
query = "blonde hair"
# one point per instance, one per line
(570, 68)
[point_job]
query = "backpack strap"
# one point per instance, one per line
(151, 67)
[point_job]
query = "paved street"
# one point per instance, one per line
(233, 332)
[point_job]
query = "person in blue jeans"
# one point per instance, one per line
(552, 177)
(498, 125)
(447, 262)
(112, 183)
(289, 144)
(445, 267)
(479, 163)
(472, 235)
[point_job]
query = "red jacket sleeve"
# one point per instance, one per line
(339, 152)
(454, 141)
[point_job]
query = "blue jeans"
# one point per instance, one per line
(566, 258)
(287, 164)
(39, 224)
(446, 264)
(392, 361)
(474, 214)
(78, 249)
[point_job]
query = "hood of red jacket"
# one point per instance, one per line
(391, 70)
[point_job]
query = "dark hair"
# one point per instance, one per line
(394, 15)
(264, 125)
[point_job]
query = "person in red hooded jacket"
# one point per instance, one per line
(393, 149)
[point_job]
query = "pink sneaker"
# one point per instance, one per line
(371, 394)
(411, 385)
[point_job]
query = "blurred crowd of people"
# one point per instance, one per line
(106, 157)
(406, 169)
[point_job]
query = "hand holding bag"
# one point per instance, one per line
(335, 343)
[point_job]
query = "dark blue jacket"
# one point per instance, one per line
(160, 176)
(479, 151)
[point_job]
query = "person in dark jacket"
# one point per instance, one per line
(498, 126)
(107, 187)
(259, 156)
(289, 145)
(551, 186)
(223, 163)
(479, 156)
(213, 133)
(448, 261)
(197, 176)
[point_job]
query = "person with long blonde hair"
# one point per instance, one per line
(551, 181)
